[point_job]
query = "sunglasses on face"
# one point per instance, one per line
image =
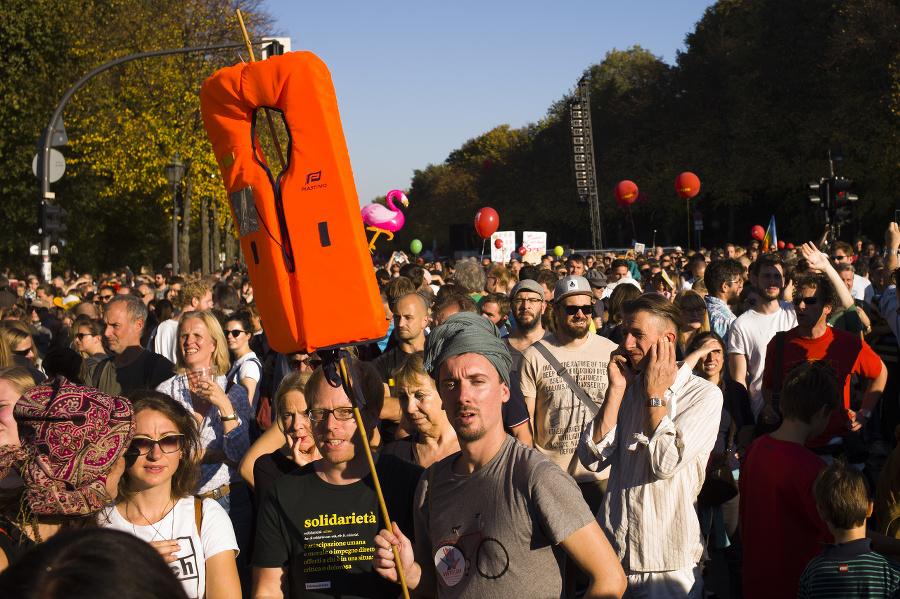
(81, 336)
(22, 352)
(573, 310)
(809, 301)
(234, 333)
(167, 444)
(318, 415)
(105, 298)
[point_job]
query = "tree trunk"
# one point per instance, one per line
(184, 252)
(216, 238)
(229, 241)
(204, 235)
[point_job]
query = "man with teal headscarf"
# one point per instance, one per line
(502, 508)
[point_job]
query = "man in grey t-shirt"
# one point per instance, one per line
(493, 518)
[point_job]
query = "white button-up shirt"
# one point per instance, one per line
(649, 512)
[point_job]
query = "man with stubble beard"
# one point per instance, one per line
(556, 408)
(752, 331)
(528, 305)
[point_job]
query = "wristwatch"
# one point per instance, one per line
(888, 252)
(656, 402)
(233, 416)
(866, 413)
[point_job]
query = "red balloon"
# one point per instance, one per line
(488, 163)
(687, 185)
(789, 246)
(522, 251)
(758, 233)
(780, 245)
(626, 192)
(498, 243)
(486, 222)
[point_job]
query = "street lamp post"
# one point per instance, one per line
(174, 173)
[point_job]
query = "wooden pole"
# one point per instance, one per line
(345, 377)
(268, 114)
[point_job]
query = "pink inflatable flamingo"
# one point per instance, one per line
(381, 220)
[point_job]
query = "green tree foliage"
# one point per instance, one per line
(123, 126)
(761, 94)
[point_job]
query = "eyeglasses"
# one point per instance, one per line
(809, 301)
(840, 257)
(298, 363)
(520, 301)
(167, 444)
(318, 415)
(573, 310)
(22, 352)
(735, 281)
(106, 298)
(234, 333)
(81, 336)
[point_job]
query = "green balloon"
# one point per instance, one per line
(415, 246)
(558, 251)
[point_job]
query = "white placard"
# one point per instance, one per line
(535, 244)
(639, 248)
(501, 255)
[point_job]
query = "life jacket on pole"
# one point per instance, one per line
(300, 229)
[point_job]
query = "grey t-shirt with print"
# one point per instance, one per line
(496, 532)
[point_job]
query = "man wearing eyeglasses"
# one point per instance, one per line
(556, 408)
(528, 305)
(316, 526)
(842, 253)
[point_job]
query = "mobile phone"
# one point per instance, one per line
(897, 216)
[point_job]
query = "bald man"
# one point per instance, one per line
(410, 320)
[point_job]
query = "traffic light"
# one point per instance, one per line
(843, 199)
(50, 225)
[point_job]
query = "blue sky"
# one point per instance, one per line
(415, 80)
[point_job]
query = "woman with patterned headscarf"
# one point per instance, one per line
(70, 457)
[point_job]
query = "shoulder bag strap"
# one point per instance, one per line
(198, 513)
(562, 372)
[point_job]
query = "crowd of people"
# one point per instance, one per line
(618, 424)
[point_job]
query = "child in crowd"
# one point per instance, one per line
(849, 567)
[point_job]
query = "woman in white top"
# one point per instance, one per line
(246, 369)
(223, 419)
(155, 500)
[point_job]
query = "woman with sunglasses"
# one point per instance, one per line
(20, 342)
(155, 501)
(246, 368)
(223, 417)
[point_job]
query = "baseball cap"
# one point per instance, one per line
(571, 285)
(528, 285)
(596, 279)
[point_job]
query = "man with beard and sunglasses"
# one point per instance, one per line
(555, 404)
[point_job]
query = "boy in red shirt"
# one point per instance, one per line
(780, 524)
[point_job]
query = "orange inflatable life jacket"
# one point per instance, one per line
(300, 230)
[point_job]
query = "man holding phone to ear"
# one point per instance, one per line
(656, 430)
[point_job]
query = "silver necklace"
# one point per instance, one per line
(155, 530)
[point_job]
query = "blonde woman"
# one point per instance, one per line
(202, 361)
